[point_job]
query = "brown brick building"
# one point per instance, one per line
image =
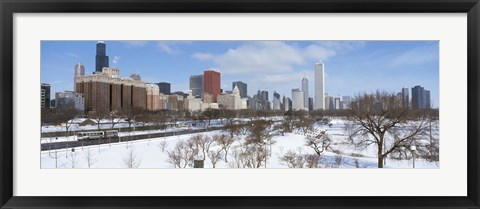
(106, 91)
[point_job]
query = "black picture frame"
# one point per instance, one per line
(10, 7)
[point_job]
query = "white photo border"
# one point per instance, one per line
(449, 180)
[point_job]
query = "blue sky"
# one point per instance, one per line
(351, 67)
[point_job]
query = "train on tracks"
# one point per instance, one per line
(91, 135)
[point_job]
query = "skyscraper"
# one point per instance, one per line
(347, 102)
(69, 100)
(405, 98)
(242, 87)
(305, 91)
(196, 85)
(164, 87)
(211, 83)
(319, 86)
(264, 95)
(297, 100)
(79, 71)
(101, 59)
(286, 103)
(427, 99)
(310, 104)
(337, 103)
(45, 95)
(420, 98)
(107, 91)
(276, 101)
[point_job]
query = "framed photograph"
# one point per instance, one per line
(265, 104)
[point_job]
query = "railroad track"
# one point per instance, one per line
(73, 144)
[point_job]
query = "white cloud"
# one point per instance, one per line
(274, 65)
(274, 56)
(168, 47)
(256, 57)
(135, 43)
(116, 60)
(71, 54)
(203, 56)
(317, 52)
(419, 55)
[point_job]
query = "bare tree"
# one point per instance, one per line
(292, 159)
(214, 156)
(357, 163)
(244, 128)
(73, 159)
(261, 132)
(260, 136)
(283, 127)
(55, 156)
(132, 160)
(254, 156)
(232, 129)
(66, 116)
(288, 122)
(312, 160)
(183, 153)
(130, 116)
(319, 141)
(48, 116)
(225, 142)
(380, 120)
(237, 160)
(98, 117)
(114, 119)
(304, 125)
(163, 144)
(338, 160)
(90, 158)
(202, 144)
(175, 157)
(247, 156)
(230, 115)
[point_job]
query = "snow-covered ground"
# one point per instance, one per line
(149, 154)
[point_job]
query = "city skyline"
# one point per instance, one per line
(351, 66)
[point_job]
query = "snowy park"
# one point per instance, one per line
(224, 149)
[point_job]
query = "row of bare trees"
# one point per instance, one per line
(200, 147)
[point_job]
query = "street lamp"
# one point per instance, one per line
(413, 148)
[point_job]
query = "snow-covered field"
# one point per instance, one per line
(148, 153)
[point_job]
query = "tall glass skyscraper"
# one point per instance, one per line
(101, 59)
(79, 71)
(420, 98)
(196, 85)
(164, 88)
(276, 101)
(319, 86)
(405, 98)
(305, 91)
(242, 87)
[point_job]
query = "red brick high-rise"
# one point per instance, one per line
(211, 83)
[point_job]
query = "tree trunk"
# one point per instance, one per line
(226, 153)
(380, 155)
(380, 161)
